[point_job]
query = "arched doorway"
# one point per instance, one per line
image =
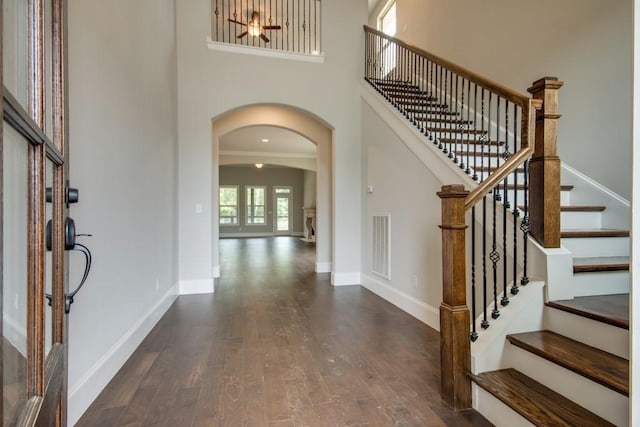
(304, 123)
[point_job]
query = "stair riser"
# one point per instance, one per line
(597, 246)
(580, 220)
(601, 283)
(499, 414)
(598, 399)
(591, 332)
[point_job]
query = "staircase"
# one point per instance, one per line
(574, 371)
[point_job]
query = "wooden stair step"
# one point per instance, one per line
(597, 264)
(521, 187)
(575, 234)
(424, 103)
(429, 111)
(584, 208)
(410, 95)
(444, 120)
(454, 130)
(610, 309)
(604, 368)
(535, 402)
(382, 82)
(464, 141)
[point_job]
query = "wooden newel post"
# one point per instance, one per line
(455, 320)
(544, 167)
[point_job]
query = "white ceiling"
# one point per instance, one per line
(283, 141)
(372, 4)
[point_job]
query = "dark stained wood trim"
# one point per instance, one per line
(590, 314)
(544, 167)
(535, 402)
(503, 91)
(582, 208)
(578, 234)
(599, 366)
(455, 319)
(599, 264)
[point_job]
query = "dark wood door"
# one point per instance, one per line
(32, 184)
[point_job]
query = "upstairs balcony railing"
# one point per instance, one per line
(506, 142)
(281, 25)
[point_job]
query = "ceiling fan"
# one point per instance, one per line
(254, 28)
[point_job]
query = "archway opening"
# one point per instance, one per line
(292, 120)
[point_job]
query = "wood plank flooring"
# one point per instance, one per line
(277, 345)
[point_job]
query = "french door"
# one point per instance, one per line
(282, 203)
(33, 147)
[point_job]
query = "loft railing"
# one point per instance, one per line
(284, 25)
(490, 132)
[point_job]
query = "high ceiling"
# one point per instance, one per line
(283, 141)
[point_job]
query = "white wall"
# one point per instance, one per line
(405, 188)
(585, 43)
(309, 185)
(122, 74)
(211, 83)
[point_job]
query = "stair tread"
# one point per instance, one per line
(594, 233)
(521, 187)
(594, 264)
(582, 208)
(535, 402)
(610, 309)
(604, 368)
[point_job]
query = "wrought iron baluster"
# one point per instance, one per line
(476, 176)
(474, 313)
(475, 146)
(494, 257)
(485, 301)
(516, 211)
(525, 226)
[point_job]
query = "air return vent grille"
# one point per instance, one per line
(381, 245)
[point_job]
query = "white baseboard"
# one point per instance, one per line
(418, 309)
(190, 287)
(82, 394)
(345, 279)
(323, 267)
(216, 271)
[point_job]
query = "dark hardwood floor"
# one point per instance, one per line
(277, 345)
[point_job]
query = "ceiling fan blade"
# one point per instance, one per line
(243, 34)
(237, 22)
(263, 37)
(272, 27)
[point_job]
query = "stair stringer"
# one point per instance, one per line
(426, 151)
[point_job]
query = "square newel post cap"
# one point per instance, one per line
(544, 84)
(453, 191)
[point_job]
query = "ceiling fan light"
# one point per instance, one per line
(254, 29)
(259, 165)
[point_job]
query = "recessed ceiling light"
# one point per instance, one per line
(265, 139)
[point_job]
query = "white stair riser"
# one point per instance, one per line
(601, 283)
(591, 332)
(597, 246)
(596, 398)
(580, 220)
(499, 414)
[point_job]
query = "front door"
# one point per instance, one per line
(282, 205)
(33, 173)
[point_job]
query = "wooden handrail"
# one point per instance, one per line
(527, 149)
(509, 94)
